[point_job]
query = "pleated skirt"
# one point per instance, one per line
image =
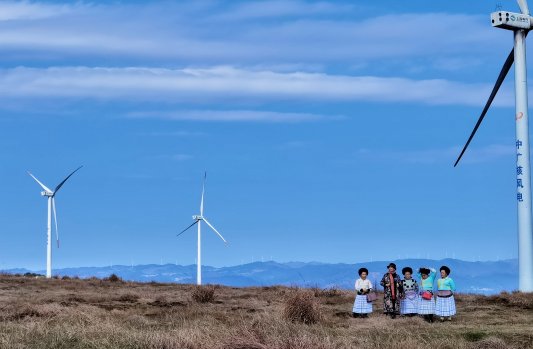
(445, 306)
(409, 306)
(361, 306)
(426, 306)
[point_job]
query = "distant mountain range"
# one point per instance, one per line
(470, 277)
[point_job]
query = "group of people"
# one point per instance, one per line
(407, 297)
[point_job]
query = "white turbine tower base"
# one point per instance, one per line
(520, 24)
(523, 174)
(198, 220)
(50, 194)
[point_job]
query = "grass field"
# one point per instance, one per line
(39, 313)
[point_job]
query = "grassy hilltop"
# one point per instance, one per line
(71, 313)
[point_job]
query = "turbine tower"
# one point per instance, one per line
(520, 24)
(50, 194)
(198, 220)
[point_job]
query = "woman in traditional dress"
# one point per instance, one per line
(363, 286)
(392, 291)
(426, 302)
(445, 301)
(409, 302)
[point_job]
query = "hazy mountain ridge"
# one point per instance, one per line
(470, 277)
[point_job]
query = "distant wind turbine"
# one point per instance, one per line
(50, 194)
(520, 24)
(198, 220)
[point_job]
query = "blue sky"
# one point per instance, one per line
(328, 130)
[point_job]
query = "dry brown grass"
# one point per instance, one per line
(302, 306)
(75, 314)
(203, 294)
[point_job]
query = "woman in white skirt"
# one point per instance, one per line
(426, 302)
(409, 301)
(363, 286)
(445, 308)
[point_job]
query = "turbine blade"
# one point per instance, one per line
(523, 7)
(503, 73)
(216, 231)
(55, 219)
(64, 180)
(203, 191)
(42, 185)
(190, 226)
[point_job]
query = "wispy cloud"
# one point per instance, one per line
(234, 116)
(440, 155)
(26, 10)
(229, 83)
(309, 32)
(174, 133)
(252, 10)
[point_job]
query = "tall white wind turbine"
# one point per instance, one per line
(50, 194)
(520, 24)
(198, 220)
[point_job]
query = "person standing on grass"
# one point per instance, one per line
(392, 291)
(426, 302)
(445, 301)
(409, 302)
(363, 286)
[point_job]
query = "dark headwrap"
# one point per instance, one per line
(363, 270)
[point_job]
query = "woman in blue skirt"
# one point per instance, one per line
(426, 302)
(445, 307)
(363, 286)
(409, 302)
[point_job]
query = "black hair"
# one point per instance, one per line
(446, 269)
(424, 271)
(407, 270)
(363, 270)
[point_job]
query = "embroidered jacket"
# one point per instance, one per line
(446, 284)
(410, 285)
(427, 284)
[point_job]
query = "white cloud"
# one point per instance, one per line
(191, 30)
(233, 116)
(174, 134)
(232, 84)
(27, 10)
(281, 8)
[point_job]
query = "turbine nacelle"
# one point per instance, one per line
(197, 218)
(511, 20)
(47, 193)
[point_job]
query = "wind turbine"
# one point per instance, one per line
(50, 194)
(198, 220)
(520, 24)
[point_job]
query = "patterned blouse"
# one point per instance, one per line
(410, 285)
